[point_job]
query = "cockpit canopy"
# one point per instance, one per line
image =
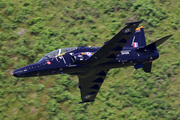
(56, 53)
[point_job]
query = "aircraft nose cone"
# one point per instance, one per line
(14, 74)
(18, 73)
(27, 71)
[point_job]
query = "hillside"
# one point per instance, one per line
(29, 29)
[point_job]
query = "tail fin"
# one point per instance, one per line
(137, 39)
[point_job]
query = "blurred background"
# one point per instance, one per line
(29, 29)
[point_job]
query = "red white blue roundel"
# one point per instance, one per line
(87, 96)
(127, 30)
(89, 54)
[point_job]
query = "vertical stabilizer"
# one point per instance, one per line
(137, 39)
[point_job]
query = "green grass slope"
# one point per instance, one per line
(31, 28)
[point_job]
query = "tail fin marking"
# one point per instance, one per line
(137, 39)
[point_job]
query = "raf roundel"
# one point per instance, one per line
(88, 96)
(127, 30)
(89, 54)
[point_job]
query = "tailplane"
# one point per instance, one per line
(147, 67)
(155, 44)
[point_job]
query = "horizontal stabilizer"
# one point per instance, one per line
(147, 67)
(156, 43)
(160, 41)
(138, 66)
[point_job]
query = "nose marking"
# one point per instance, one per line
(48, 62)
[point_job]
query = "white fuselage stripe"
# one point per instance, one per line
(133, 41)
(63, 59)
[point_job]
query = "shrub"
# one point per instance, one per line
(9, 10)
(146, 11)
(2, 4)
(1, 19)
(34, 20)
(39, 87)
(36, 28)
(53, 107)
(8, 26)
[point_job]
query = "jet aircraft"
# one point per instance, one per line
(91, 64)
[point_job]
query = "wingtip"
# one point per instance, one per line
(85, 101)
(131, 23)
(171, 35)
(168, 36)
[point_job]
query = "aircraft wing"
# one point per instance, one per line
(90, 84)
(112, 48)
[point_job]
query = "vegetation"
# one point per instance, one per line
(31, 28)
